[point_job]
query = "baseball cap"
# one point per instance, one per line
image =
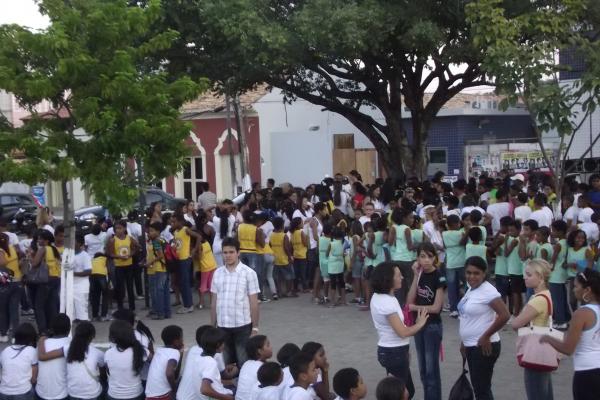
(518, 177)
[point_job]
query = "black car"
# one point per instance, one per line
(18, 209)
(85, 217)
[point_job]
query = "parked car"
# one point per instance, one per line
(18, 209)
(85, 217)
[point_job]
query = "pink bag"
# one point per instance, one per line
(408, 316)
(535, 355)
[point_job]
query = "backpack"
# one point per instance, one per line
(170, 260)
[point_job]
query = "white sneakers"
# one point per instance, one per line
(3, 339)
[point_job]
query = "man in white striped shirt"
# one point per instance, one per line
(234, 306)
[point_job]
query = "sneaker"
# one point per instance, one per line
(185, 310)
(454, 314)
(263, 299)
(199, 306)
(139, 297)
(355, 300)
(446, 308)
(275, 297)
(3, 339)
(106, 318)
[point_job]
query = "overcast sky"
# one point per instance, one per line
(22, 12)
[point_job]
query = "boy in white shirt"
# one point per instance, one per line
(304, 372)
(270, 376)
(212, 342)
(349, 385)
(164, 369)
(82, 269)
(522, 211)
(259, 350)
(52, 374)
(284, 355)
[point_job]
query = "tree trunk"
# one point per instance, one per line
(66, 282)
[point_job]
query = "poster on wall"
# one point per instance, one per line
(480, 163)
(524, 161)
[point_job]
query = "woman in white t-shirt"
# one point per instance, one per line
(482, 313)
(85, 363)
(18, 363)
(124, 363)
(394, 335)
(223, 224)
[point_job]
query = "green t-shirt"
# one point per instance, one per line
(455, 252)
(548, 248)
(576, 257)
(515, 265)
(476, 250)
(501, 266)
(378, 251)
(559, 272)
(483, 234)
(400, 251)
(323, 246)
(417, 238)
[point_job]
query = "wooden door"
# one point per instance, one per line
(366, 165)
(343, 161)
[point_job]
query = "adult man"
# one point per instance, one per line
(501, 208)
(234, 306)
(207, 199)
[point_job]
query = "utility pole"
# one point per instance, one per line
(66, 270)
(142, 201)
(230, 137)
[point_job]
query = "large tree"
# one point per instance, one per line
(348, 56)
(111, 100)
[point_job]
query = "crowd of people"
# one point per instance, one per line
(490, 251)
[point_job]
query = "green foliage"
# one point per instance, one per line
(98, 65)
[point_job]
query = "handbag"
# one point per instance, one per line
(462, 389)
(531, 353)
(37, 275)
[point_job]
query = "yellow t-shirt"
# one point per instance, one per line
(99, 266)
(277, 241)
(12, 263)
(539, 302)
(123, 248)
(247, 238)
(61, 250)
(155, 263)
(207, 260)
(182, 244)
(298, 246)
(52, 262)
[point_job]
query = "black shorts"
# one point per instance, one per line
(517, 284)
(337, 281)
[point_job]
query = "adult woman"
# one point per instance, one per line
(223, 223)
(155, 212)
(582, 340)
(482, 313)
(537, 311)
(46, 296)
(393, 344)
(10, 294)
(375, 198)
(190, 212)
(340, 198)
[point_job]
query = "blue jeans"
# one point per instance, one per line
(254, 261)
(428, 341)
(10, 299)
(538, 385)
(235, 344)
(159, 292)
(301, 273)
(560, 304)
(454, 277)
(396, 362)
(184, 269)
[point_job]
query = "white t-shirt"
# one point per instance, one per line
(571, 214)
(134, 230)
(298, 393)
(123, 382)
(207, 368)
(435, 237)
(266, 393)
(189, 386)
(383, 305)
(248, 380)
(49, 228)
(476, 315)
(364, 219)
(267, 229)
(522, 213)
(95, 243)
(543, 216)
(497, 211)
(52, 374)
(585, 215)
(467, 210)
(591, 230)
(344, 199)
(79, 382)
(216, 247)
(82, 262)
(166, 234)
(157, 384)
(16, 362)
(286, 382)
(25, 245)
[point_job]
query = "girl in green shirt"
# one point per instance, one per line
(558, 277)
(335, 267)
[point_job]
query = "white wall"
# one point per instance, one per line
(290, 150)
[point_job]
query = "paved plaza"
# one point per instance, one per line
(350, 341)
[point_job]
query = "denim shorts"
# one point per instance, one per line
(285, 272)
(357, 269)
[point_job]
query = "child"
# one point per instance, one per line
(579, 258)
(544, 249)
(164, 369)
(283, 270)
(475, 247)
(142, 334)
(475, 217)
(320, 388)
(501, 266)
(558, 278)
(259, 350)
(528, 246)
(304, 372)
(335, 268)
(455, 261)
(570, 211)
(391, 388)
(401, 237)
(124, 362)
(85, 363)
(270, 376)
(515, 266)
(158, 276)
(377, 239)
(183, 247)
(589, 225)
(52, 374)
(19, 364)
(99, 289)
(324, 242)
(522, 211)
(357, 255)
(121, 248)
(208, 266)
(284, 355)
(368, 263)
(300, 249)
(427, 293)
(212, 343)
(349, 385)
(82, 269)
